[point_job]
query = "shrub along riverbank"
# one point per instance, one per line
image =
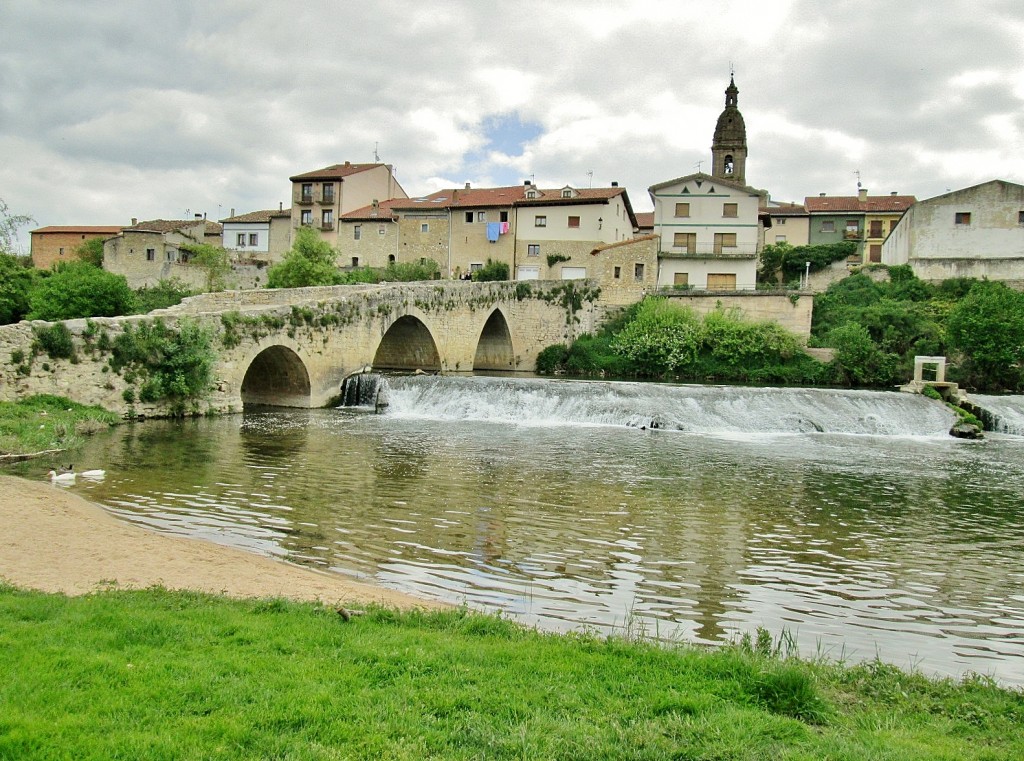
(156, 675)
(876, 325)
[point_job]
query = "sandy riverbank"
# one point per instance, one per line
(55, 541)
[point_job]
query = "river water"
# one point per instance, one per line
(848, 519)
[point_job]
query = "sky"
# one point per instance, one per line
(112, 109)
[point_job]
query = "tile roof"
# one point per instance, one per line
(626, 242)
(334, 171)
(871, 205)
(383, 212)
(174, 225)
(465, 198)
(645, 219)
(786, 210)
(85, 229)
(256, 216)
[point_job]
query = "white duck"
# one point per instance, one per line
(61, 478)
(95, 475)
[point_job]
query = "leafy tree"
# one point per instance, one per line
(77, 289)
(213, 261)
(491, 271)
(17, 278)
(91, 252)
(987, 329)
(9, 224)
(310, 261)
(860, 361)
(791, 261)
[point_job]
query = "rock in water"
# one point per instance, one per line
(966, 431)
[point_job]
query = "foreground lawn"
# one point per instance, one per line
(162, 675)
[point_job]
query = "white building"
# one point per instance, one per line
(262, 234)
(974, 232)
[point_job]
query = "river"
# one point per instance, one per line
(848, 519)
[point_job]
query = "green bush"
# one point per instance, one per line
(405, 272)
(173, 364)
(166, 293)
(17, 278)
(54, 340)
(859, 359)
(76, 290)
(491, 271)
(310, 261)
(986, 329)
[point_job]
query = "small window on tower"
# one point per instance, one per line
(728, 164)
(963, 218)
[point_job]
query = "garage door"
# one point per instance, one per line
(574, 273)
(527, 273)
(722, 281)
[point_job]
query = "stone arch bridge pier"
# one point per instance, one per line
(295, 347)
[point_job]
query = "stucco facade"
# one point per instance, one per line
(790, 223)
(864, 219)
(321, 197)
(58, 243)
(708, 233)
(973, 232)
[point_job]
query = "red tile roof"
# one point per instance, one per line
(871, 205)
(255, 216)
(84, 229)
(383, 212)
(335, 171)
(464, 198)
(637, 239)
(786, 210)
(645, 219)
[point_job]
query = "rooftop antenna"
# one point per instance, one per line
(857, 172)
(590, 174)
(698, 164)
(376, 156)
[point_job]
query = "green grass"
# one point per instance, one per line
(45, 422)
(161, 675)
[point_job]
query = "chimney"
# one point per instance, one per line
(467, 186)
(135, 221)
(232, 211)
(526, 183)
(280, 205)
(862, 194)
(198, 215)
(348, 163)
(615, 183)
(821, 195)
(892, 193)
(376, 208)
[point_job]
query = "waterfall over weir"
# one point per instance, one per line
(363, 390)
(695, 409)
(1005, 413)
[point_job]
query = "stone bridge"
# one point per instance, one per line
(295, 347)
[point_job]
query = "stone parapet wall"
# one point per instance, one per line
(792, 311)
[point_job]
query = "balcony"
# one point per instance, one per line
(852, 235)
(710, 251)
(326, 226)
(305, 199)
(327, 199)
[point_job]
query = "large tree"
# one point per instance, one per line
(17, 277)
(9, 224)
(310, 261)
(986, 328)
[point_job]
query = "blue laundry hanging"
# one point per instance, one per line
(493, 231)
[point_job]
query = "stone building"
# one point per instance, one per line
(972, 232)
(148, 252)
(58, 243)
(539, 233)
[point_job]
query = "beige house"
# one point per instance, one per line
(148, 252)
(321, 197)
(538, 233)
(58, 243)
(973, 232)
(786, 223)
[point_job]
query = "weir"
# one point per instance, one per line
(363, 390)
(726, 410)
(1001, 414)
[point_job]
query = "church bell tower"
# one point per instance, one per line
(729, 149)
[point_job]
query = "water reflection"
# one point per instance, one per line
(903, 547)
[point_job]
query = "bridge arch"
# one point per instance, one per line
(494, 348)
(407, 345)
(276, 376)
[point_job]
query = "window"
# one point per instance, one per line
(355, 261)
(1020, 217)
(892, 225)
(566, 193)
(240, 241)
(730, 210)
(61, 252)
(531, 193)
(724, 240)
(780, 238)
(574, 221)
(503, 216)
(328, 195)
(391, 258)
(254, 239)
(828, 226)
(425, 227)
(682, 209)
(169, 253)
(328, 219)
(307, 192)
(533, 249)
(381, 230)
(780, 221)
(150, 254)
(481, 216)
(687, 241)
(729, 164)
(307, 217)
(852, 226)
(474, 266)
(876, 229)
(617, 274)
(357, 232)
(681, 279)
(540, 221)
(638, 271)
(469, 216)
(875, 252)
(963, 218)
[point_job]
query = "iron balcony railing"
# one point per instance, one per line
(698, 250)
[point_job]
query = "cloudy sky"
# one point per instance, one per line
(111, 110)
